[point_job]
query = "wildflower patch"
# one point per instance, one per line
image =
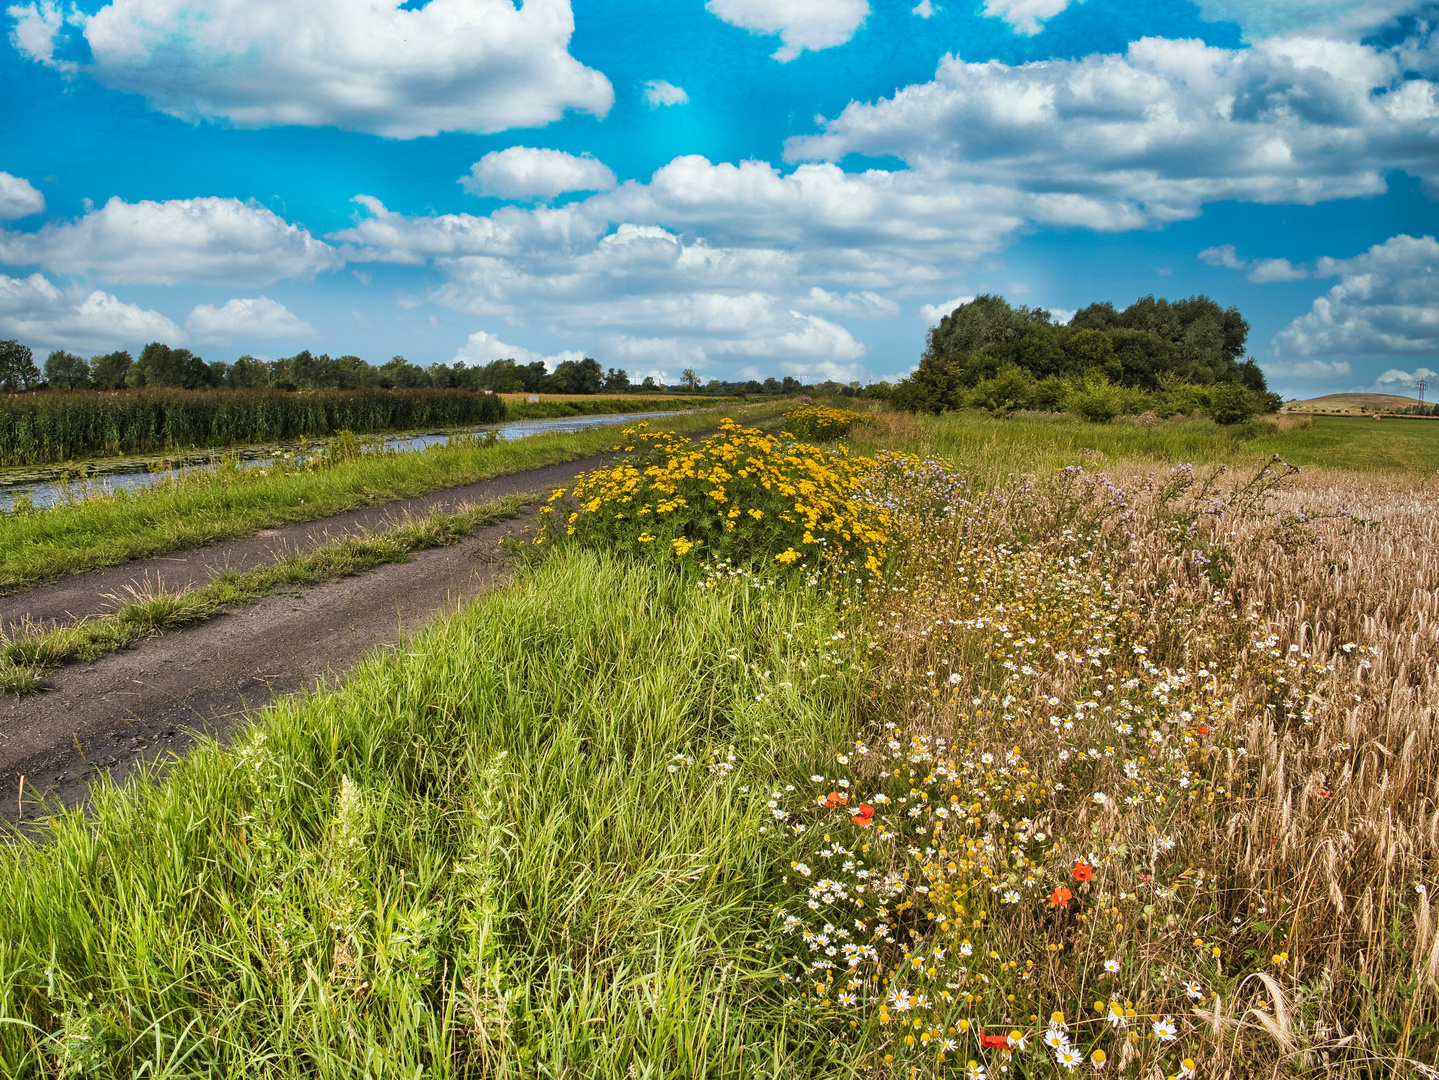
(820, 422)
(740, 496)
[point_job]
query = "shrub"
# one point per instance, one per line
(1096, 401)
(820, 422)
(1230, 404)
(1008, 390)
(740, 495)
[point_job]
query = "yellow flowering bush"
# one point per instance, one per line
(820, 422)
(740, 495)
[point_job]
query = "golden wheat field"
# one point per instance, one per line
(1192, 710)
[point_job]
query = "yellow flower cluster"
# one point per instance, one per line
(820, 422)
(740, 495)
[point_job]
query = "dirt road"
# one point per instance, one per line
(83, 595)
(149, 702)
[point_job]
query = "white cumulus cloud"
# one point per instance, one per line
(519, 172)
(246, 317)
(18, 198)
(1386, 304)
(207, 240)
(483, 347)
(658, 92)
(1117, 142)
(1257, 270)
(1309, 369)
(44, 316)
(863, 305)
(1405, 380)
(932, 313)
(362, 65)
(1026, 16)
(800, 24)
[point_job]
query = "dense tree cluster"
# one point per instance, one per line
(1185, 354)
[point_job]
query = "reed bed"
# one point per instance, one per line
(38, 429)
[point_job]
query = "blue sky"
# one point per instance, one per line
(746, 187)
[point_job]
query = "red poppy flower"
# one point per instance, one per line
(1083, 872)
(994, 1042)
(863, 815)
(1060, 897)
(1146, 877)
(1203, 729)
(1323, 792)
(834, 798)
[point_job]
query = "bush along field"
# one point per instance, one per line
(896, 776)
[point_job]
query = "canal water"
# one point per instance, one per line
(47, 485)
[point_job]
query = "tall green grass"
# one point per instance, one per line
(202, 508)
(499, 852)
(37, 429)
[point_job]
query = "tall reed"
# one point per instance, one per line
(39, 429)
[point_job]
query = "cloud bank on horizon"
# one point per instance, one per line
(465, 180)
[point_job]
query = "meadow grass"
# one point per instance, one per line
(523, 845)
(26, 651)
(1138, 772)
(204, 507)
(1029, 444)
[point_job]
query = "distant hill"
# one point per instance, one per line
(1353, 402)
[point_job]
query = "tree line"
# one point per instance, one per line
(1155, 355)
(162, 366)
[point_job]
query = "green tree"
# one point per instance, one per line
(650, 384)
(66, 371)
(160, 365)
(690, 379)
(617, 381)
(985, 321)
(576, 377)
(399, 372)
(247, 373)
(108, 372)
(17, 368)
(1092, 352)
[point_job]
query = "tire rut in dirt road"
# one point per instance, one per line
(145, 703)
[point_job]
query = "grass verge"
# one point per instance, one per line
(204, 508)
(1033, 444)
(522, 845)
(25, 654)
